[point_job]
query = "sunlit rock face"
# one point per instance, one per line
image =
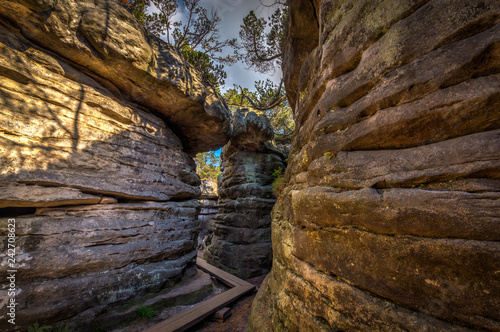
(242, 227)
(390, 220)
(98, 124)
(103, 40)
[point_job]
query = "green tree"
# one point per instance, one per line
(261, 48)
(262, 40)
(207, 165)
(138, 8)
(210, 71)
(197, 38)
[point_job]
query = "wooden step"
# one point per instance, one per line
(221, 315)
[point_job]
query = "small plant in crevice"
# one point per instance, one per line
(331, 154)
(279, 182)
(420, 186)
(37, 328)
(62, 329)
(145, 312)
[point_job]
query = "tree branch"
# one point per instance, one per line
(269, 106)
(275, 3)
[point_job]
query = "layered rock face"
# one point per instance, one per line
(391, 218)
(209, 201)
(97, 126)
(242, 227)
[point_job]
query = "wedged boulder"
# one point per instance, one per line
(390, 216)
(242, 227)
(250, 130)
(209, 189)
(105, 39)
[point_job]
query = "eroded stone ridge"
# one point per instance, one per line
(98, 124)
(391, 216)
(242, 227)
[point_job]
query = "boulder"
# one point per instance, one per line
(79, 261)
(60, 127)
(98, 126)
(209, 189)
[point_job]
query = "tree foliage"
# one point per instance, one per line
(207, 165)
(262, 40)
(197, 38)
(138, 8)
(210, 71)
(261, 48)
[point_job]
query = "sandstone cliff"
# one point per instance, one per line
(98, 123)
(392, 210)
(242, 227)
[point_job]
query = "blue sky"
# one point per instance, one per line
(232, 13)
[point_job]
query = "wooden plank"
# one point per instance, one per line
(196, 314)
(223, 276)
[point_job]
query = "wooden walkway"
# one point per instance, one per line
(196, 314)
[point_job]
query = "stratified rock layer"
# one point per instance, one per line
(209, 201)
(242, 227)
(391, 216)
(75, 261)
(97, 125)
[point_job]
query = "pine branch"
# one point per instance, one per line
(269, 106)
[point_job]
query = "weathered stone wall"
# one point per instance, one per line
(97, 127)
(209, 203)
(242, 227)
(391, 220)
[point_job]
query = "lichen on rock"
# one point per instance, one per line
(390, 216)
